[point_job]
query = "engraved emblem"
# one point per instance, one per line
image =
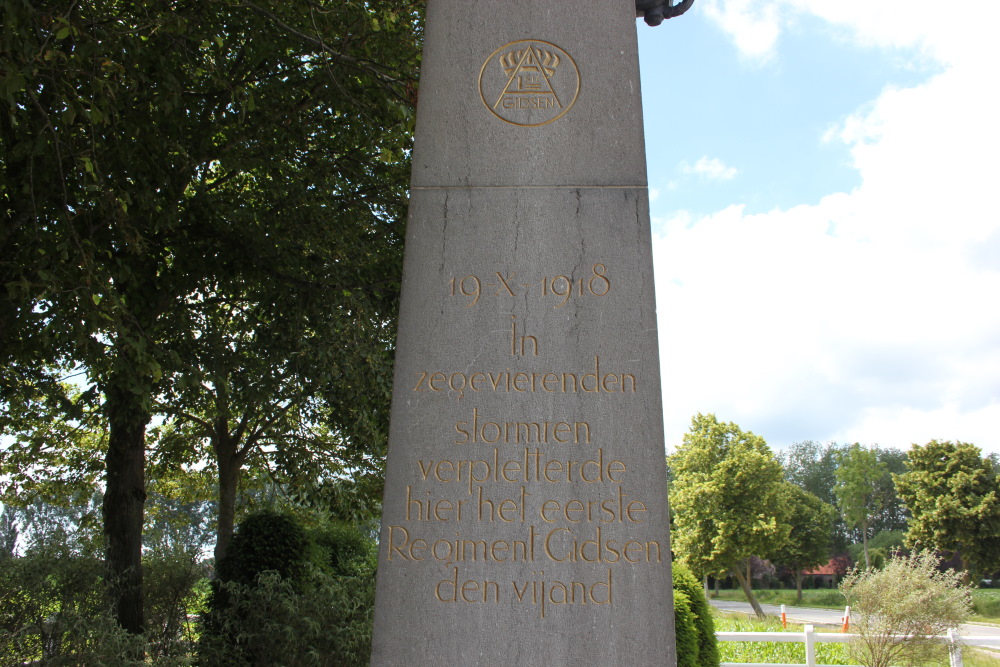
(529, 82)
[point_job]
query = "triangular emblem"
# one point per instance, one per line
(529, 71)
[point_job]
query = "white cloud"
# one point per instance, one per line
(753, 26)
(947, 33)
(713, 169)
(870, 316)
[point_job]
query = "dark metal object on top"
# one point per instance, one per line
(654, 11)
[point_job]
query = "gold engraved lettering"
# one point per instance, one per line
(506, 510)
(522, 381)
(404, 546)
(609, 510)
(553, 592)
(442, 509)
(482, 430)
(562, 545)
(534, 466)
(449, 590)
(562, 287)
(529, 82)
(519, 343)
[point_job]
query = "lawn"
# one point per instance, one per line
(795, 652)
(985, 601)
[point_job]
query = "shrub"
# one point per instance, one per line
(325, 622)
(345, 549)
(291, 597)
(900, 606)
(685, 632)
(266, 541)
(170, 586)
(54, 609)
(708, 651)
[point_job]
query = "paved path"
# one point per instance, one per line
(834, 617)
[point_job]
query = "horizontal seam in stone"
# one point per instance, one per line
(529, 187)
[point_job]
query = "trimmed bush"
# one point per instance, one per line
(326, 621)
(708, 650)
(685, 631)
(292, 597)
(345, 549)
(266, 541)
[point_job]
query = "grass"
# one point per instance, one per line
(985, 601)
(986, 605)
(777, 652)
(795, 653)
(827, 598)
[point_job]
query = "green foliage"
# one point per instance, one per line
(884, 544)
(707, 649)
(819, 597)
(685, 631)
(54, 608)
(986, 604)
(203, 208)
(266, 541)
(325, 621)
(347, 551)
(724, 499)
(954, 496)
(774, 652)
(724, 496)
(812, 467)
(8, 533)
(811, 521)
(902, 604)
(172, 578)
(859, 473)
(291, 596)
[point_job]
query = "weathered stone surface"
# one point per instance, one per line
(526, 456)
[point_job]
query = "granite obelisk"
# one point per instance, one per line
(525, 513)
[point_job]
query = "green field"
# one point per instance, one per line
(985, 602)
(795, 652)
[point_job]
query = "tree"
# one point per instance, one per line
(900, 607)
(725, 500)
(892, 514)
(152, 150)
(812, 467)
(808, 543)
(269, 386)
(954, 499)
(857, 489)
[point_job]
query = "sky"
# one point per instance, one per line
(826, 240)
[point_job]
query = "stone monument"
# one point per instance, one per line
(525, 512)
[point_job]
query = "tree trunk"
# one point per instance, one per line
(229, 461)
(864, 541)
(123, 502)
(745, 585)
(798, 586)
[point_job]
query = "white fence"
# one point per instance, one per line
(809, 637)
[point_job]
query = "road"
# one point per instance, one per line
(834, 617)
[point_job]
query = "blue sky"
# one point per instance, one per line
(826, 243)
